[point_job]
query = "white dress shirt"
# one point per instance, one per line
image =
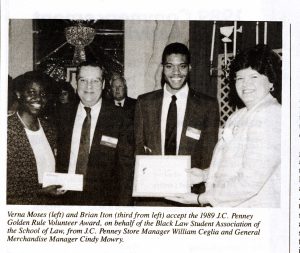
(117, 103)
(80, 116)
(181, 101)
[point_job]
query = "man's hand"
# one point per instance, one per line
(185, 198)
(197, 175)
(53, 190)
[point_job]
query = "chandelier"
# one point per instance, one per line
(79, 36)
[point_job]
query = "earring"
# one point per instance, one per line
(272, 89)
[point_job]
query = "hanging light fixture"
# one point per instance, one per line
(79, 36)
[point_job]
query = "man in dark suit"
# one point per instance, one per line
(119, 94)
(196, 116)
(97, 142)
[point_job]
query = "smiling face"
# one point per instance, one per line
(89, 85)
(175, 70)
(251, 86)
(32, 99)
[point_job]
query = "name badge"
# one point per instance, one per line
(109, 141)
(193, 133)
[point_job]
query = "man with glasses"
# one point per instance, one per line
(175, 120)
(98, 143)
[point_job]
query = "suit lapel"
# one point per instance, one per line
(125, 103)
(101, 124)
(185, 145)
(65, 140)
(70, 125)
(157, 121)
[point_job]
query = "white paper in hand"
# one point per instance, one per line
(161, 176)
(70, 182)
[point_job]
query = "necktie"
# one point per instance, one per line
(84, 146)
(119, 104)
(171, 128)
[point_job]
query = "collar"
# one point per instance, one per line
(180, 94)
(95, 108)
(120, 101)
(267, 99)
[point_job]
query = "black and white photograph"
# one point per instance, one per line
(128, 131)
(208, 100)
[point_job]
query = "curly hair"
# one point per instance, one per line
(262, 59)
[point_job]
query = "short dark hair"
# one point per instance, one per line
(176, 48)
(91, 64)
(22, 81)
(262, 59)
(66, 86)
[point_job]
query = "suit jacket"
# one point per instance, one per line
(201, 113)
(245, 170)
(129, 103)
(129, 107)
(108, 180)
(23, 187)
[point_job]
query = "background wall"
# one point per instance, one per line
(20, 46)
(144, 44)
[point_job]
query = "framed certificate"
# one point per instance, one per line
(161, 176)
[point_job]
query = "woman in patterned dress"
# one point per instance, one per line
(30, 144)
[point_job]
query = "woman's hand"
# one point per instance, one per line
(197, 175)
(53, 190)
(185, 198)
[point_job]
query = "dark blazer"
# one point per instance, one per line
(129, 103)
(23, 187)
(201, 113)
(129, 107)
(109, 176)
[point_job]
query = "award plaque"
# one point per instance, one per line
(161, 176)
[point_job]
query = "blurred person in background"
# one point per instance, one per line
(119, 94)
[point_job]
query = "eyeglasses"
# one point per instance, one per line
(93, 82)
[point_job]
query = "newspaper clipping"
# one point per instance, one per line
(150, 126)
